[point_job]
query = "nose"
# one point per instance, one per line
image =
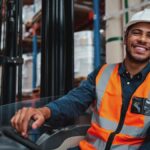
(143, 38)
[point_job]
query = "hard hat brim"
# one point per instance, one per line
(135, 22)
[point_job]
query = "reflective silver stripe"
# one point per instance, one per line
(104, 123)
(146, 124)
(101, 86)
(100, 145)
(97, 143)
(110, 125)
(132, 131)
(124, 147)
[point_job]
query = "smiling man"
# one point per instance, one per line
(137, 43)
(120, 94)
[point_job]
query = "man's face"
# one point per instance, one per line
(137, 43)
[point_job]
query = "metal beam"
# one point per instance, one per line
(10, 59)
(57, 47)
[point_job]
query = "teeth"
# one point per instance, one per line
(141, 48)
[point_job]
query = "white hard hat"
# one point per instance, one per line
(142, 16)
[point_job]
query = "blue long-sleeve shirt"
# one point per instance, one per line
(78, 100)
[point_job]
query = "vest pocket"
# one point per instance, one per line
(140, 106)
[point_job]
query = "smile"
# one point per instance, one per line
(140, 48)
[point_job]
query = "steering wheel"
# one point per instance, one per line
(60, 139)
(11, 133)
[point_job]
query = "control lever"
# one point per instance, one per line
(45, 127)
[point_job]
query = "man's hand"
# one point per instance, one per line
(20, 120)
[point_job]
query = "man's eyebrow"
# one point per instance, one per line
(136, 29)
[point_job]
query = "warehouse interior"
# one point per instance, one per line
(48, 47)
(30, 38)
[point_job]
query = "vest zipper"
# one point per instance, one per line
(120, 125)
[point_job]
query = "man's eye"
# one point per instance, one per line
(135, 33)
(148, 35)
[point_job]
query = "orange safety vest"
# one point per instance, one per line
(107, 114)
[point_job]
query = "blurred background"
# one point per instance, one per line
(49, 47)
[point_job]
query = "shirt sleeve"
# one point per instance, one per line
(75, 103)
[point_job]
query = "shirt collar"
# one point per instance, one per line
(143, 73)
(122, 68)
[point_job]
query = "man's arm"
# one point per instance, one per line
(74, 103)
(60, 111)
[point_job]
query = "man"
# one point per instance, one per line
(120, 94)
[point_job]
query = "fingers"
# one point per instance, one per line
(15, 120)
(26, 115)
(39, 120)
(21, 119)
